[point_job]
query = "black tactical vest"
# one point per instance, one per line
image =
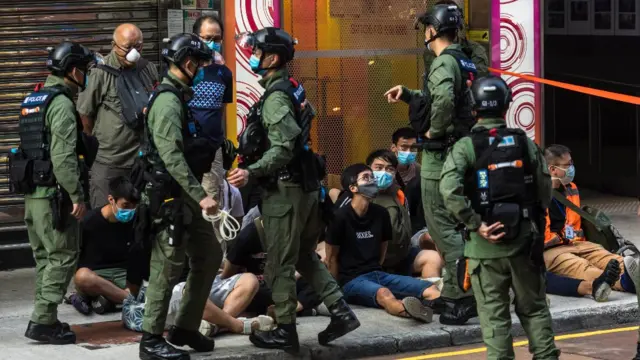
(463, 119)
(501, 185)
(199, 151)
(30, 164)
(253, 141)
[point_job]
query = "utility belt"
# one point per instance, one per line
(441, 145)
(307, 170)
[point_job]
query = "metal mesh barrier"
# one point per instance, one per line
(349, 54)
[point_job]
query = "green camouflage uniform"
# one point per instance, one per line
(165, 121)
(444, 81)
(495, 268)
(55, 252)
(291, 217)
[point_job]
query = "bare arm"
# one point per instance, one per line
(383, 251)
(332, 259)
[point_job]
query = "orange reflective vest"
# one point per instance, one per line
(572, 220)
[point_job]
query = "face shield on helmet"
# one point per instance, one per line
(246, 41)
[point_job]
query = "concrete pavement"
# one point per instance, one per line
(380, 334)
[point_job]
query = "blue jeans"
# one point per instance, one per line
(363, 289)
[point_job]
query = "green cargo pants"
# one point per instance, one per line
(167, 262)
(442, 228)
(492, 279)
(55, 254)
(292, 227)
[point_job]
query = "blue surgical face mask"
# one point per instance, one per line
(569, 174)
(199, 77)
(124, 215)
(383, 179)
(254, 62)
(214, 46)
(406, 157)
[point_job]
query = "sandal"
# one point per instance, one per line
(417, 310)
(266, 323)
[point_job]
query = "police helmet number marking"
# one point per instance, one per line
(506, 141)
(483, 179)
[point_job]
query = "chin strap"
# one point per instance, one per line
(228, 226)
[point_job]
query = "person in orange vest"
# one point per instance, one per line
(566, 250)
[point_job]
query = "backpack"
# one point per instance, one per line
(132, 93)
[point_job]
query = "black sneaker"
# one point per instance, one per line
(601, 287)
(101, 305)
(80, 303)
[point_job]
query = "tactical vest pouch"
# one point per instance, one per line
(510, 215)
(20, 173)
(160, 190)
(61, 207)
(43, 173)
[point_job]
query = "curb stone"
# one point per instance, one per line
(431, 338)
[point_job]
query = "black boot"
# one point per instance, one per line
(283, 337)
(438, 305)
(343, 321)
(191, 338)
(154, 347)
(637, 353)
(459, 311)
(55, 334)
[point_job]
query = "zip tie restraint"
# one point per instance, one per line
(228, 226)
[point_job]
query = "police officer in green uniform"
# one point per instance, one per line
(448, 119)
(290, 210)
(475, 51)
(496, 182)
(46, 169)
(177, 156)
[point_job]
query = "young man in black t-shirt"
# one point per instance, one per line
(107, 235)
(356, 246)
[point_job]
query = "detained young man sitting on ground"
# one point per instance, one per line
(355, 249)
(103, 278)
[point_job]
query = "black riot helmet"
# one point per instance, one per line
(444, 19)
(491, 96)
(180, 47)
(270, 40)
(68, 55)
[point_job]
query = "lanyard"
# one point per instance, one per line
(562, 210)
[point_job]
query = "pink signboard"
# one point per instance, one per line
(516, 47)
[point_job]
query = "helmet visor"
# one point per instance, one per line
(246, 41)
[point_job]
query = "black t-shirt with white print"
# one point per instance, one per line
(359, 239)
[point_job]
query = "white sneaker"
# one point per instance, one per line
(265, 323)
(207, 329)
(437, 281)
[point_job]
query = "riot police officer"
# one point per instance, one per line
(290, 207)
(496, 182)
(46, 169)
(475, 51)
(177, 156)
(447, 117)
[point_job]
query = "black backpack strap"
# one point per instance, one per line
(109, 69)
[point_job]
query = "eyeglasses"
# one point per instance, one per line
(366, 178)
(126, 50)
(216, 39)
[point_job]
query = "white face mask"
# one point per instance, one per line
(133, 56)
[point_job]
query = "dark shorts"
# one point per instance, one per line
(405, 267)
(363, 289)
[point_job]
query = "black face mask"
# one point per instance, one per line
(370, 190)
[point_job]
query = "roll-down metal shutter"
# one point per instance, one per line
(27, 28)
